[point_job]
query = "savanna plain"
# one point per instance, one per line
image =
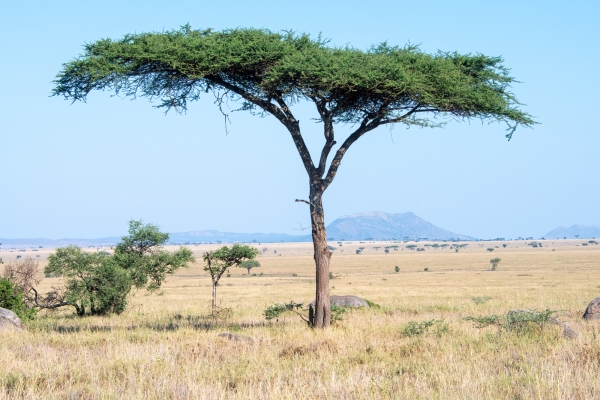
(166, 346)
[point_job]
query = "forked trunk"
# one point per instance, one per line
(321, 315)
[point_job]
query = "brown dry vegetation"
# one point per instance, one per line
(164, 347)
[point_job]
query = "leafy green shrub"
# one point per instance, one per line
(414, 328)
(11, 298)
(397, 268)
(515, 320)
(373, 305)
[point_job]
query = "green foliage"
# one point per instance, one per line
(397, 268)
(374, 306)
(414, 328)
(178, 66)
(12, 298)
(220, 260)
(519, 321)
(481, 300)
(142, 256)
(99, 283)
(276, 310)
(249, 264)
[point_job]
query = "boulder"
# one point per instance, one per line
(346, 301)
(593, 309)
(237, 338)
(569, 332)
(9, 321)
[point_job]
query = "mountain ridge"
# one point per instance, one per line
(570, 232)
(372, 225)
(377, 225)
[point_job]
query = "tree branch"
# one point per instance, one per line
(282, 113)
(304, 201)
(327, 118)
(368, 124)
(52, 306)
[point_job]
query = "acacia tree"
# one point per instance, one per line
(249, 264)
(220, 260)
(270, 72)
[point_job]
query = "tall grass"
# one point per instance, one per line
(166, 347)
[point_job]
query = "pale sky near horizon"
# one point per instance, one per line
(84, 170)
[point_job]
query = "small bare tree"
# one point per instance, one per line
(24, 274)
(495, 262)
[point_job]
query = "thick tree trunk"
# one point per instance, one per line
(322, 312)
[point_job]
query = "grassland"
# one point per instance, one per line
(164, 346)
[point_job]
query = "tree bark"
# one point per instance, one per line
(322, 255)
(214, 299)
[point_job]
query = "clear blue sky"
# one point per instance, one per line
(83, 170)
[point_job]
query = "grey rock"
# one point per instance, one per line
(569, 332)
(237, 338)
(9, 321)
(593, 309)
(346, 301)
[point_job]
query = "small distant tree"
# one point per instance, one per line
(495, 262)
(249, 264)
(504, 245)
(397, 268)
(490, 249)
(220, 260)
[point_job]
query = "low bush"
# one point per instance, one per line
(414, 328)
(519, 321)
(12, 298)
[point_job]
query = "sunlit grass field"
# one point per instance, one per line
(166, 347)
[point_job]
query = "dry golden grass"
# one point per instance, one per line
(164, 347)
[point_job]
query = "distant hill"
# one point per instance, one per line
(59, 242)
(209, 236)
(584, 232)
(216, 236)
(384, 226)
(361, 226)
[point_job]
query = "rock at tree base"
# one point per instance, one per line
(569, 332)
(593, 309)
(9, 321)
(237, 338)
(346, 301)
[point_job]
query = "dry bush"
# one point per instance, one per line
(24, 273)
